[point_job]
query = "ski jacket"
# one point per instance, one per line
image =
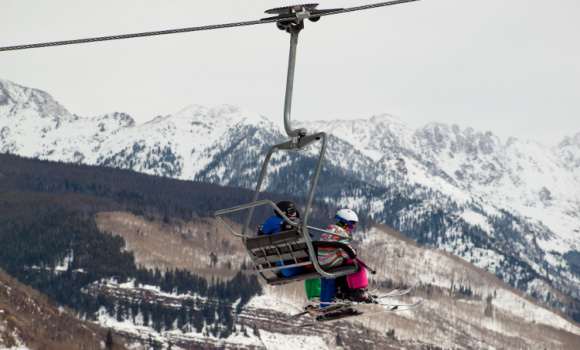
(276, 224)
(331, 257)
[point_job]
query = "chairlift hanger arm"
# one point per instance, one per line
(307, 11)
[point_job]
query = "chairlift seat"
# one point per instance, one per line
(289, 247)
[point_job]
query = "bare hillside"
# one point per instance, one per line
(29, 321)
(203, 247)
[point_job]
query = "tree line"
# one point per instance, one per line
(97, 188)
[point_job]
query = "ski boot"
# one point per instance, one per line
(362, 296)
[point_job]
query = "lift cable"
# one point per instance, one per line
(312, 15)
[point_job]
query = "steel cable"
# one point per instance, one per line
(315, 13)
(135, 35)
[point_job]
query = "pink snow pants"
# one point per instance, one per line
(358, 279)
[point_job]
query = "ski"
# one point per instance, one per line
(394, 293)
(398, 292)
(351, 315)
(392, 305)
(354, 303)
(287, 318)
(348, 303)
(313, 309)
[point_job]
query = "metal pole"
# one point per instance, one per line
(294, 30)
(257, 190)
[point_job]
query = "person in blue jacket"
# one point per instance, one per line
(276, 224)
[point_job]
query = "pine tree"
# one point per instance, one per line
(338, 340)
(145, 310)
(109, 340)
(256, 331)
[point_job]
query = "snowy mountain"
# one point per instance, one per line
(511, 208)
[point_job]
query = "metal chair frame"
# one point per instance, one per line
(299, 141)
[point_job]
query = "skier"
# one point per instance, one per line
(345, 221)
(277, 224)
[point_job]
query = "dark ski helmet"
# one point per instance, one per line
(287, 207)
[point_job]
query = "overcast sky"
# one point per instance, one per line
(511, 67)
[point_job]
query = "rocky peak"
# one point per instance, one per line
(569, 153)
(20, 99)
(568, 141)
(439, 138)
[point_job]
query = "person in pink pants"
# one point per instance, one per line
(345, 221)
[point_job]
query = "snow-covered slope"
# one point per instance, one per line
(511, 208)
(522, 177)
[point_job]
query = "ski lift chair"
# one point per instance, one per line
(292, 248)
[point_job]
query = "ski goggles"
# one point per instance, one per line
(290, 212)
(351, 224)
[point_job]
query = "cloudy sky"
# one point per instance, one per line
(511, 67)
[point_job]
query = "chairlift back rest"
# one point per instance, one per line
(291, 248)
(275, 247)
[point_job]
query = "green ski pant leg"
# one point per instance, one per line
(312, 287)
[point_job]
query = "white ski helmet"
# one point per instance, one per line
(346, 217)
